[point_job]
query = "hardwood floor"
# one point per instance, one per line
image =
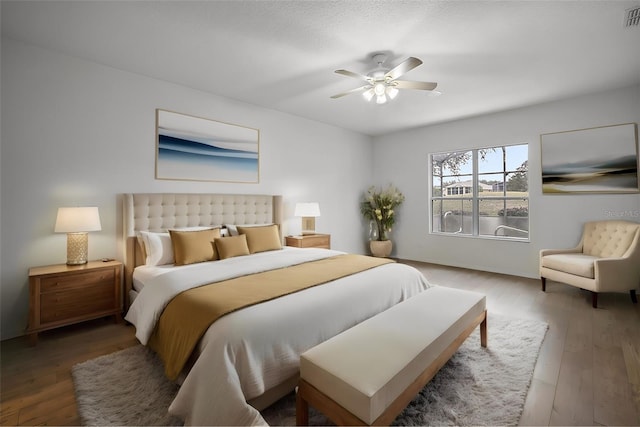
(587, 373)
(588, 369)
(36, 386)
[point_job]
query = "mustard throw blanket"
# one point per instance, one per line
(187, 317)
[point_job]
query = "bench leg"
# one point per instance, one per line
(544, 284)
(483, 331)
(302, 411)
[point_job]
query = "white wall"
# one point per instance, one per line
(79, 133)
(555, 220)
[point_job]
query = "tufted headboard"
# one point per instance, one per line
(159, 212)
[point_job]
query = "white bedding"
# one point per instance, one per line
(250, 351)
(145, 273)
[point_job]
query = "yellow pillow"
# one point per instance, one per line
(190, 247)
(260, 239)
(228, 247)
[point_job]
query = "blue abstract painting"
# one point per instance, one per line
(198, 149)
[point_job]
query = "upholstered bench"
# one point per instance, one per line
(368, 374)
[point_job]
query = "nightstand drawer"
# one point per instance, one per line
(315, 241)
(74, 281)
(61, 294)
(310, 241)
(55, 306)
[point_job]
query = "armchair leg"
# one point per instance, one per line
(544, 284)
(634, 299)
(594, 299)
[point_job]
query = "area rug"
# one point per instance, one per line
(478, 386)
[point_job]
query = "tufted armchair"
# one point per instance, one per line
(607, 259)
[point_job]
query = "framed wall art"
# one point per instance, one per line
(198, 149)
(596, 160)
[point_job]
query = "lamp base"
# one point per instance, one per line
(77, 244)
(308, 225)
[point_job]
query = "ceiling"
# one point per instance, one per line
(486, 56)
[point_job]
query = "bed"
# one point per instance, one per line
(248, 358)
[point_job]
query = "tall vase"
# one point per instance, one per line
(373, 230)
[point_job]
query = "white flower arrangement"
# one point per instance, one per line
(379, 206)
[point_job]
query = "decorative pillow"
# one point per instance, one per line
(233, 228)
(190, 247)
(229, 247)
(260, 239)
(157, 247)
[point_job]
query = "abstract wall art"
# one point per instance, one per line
(198, 149)
(596, 160)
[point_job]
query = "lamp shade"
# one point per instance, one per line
(77, 220)
(307, 209)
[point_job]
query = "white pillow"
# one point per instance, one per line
(223, 231)
(158, 247)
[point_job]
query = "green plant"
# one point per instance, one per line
(515, 211)
(379, 205)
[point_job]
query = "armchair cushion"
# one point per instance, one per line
(578, 264)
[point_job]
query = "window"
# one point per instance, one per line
(481, 192)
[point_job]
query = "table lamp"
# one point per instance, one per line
(76, 222)
(308, 212)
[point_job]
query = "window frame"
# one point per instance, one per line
(475, 197)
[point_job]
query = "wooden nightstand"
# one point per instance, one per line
(310, 241)
(62, 294)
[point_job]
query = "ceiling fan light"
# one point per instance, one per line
(381, 99)
(392, 92)
(368, 94)
(379, 89)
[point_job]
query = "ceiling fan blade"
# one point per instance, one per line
(354, 75)
(402, 68)
(406, 84)
(349, 92)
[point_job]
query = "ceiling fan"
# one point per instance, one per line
(382, 82)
